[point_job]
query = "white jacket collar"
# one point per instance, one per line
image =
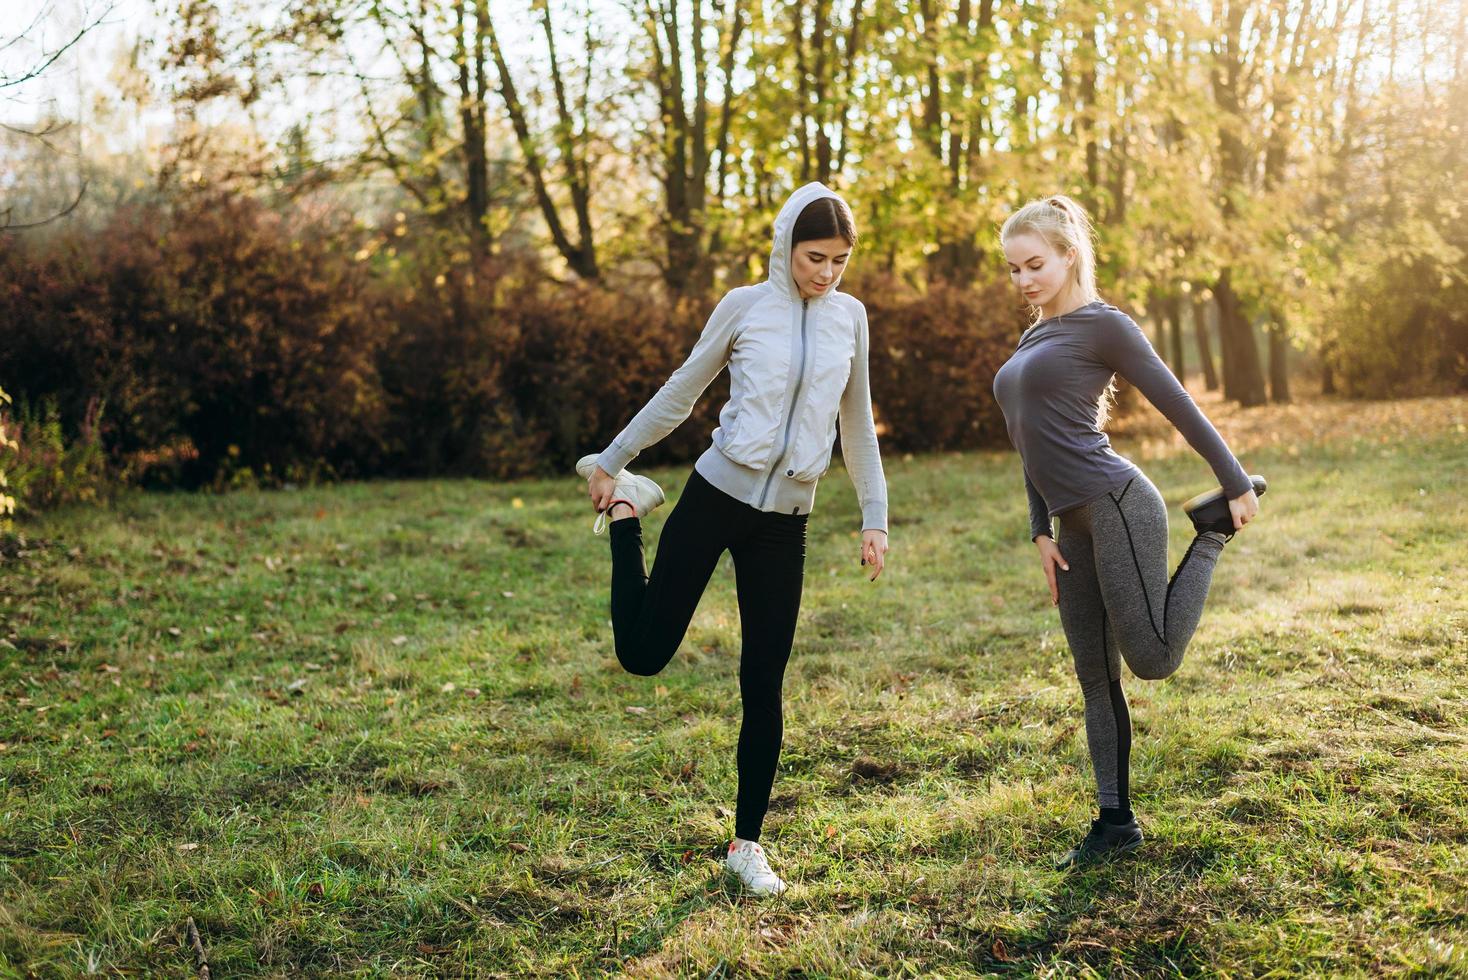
(780, 248)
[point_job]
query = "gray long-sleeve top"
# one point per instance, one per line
(1048, 391)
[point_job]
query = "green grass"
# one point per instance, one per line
(378, 729)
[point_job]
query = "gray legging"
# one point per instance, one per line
(1116, 603)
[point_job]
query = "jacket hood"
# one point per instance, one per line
(780, 249)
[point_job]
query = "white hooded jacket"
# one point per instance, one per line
(795, 367)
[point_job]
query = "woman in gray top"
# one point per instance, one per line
(1108, 569)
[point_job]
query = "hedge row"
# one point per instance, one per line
(226, 342)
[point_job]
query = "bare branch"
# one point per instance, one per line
(47, 60)
(7, 225)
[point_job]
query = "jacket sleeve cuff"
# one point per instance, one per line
(874, 516)
(615, 458)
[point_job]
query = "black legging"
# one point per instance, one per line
(650, 615)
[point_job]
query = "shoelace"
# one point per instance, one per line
(604, 519)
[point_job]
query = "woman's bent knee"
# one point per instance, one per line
(639, 662)
(1153, 664)
(1149, 669)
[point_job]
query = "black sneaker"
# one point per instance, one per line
(1209, 510)
(1105, 840)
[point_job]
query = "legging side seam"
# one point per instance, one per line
(1123, 747)
(1141, 579)
(1178, 571)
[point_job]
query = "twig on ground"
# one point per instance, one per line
(198, 945)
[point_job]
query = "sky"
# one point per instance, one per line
(79, 83)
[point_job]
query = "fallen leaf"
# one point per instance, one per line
(633, 709)
(448, 688)
(184, 848)
(830, 831)
(398, 641)
(315, 890)
(174, 631)
(518, 847)
(296, 686)
(517, 503)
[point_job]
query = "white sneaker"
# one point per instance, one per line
(746, 861)
(642, 493)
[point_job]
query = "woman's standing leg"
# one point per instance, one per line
(650, 614)
(769, 570)
(1098, 667)
(1092, 638)
(1154, 618)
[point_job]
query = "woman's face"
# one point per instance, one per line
(817, 264)
(1041, 273)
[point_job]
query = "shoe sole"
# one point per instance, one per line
(585, 466)
(1216, 494)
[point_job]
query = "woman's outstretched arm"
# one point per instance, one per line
(675, 399)
(1123, 347)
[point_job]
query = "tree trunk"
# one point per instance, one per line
(1279, 373)
(1205, 348)
(1175, 323)
(472, 118)
(580, 255)
(1158, 305)
(1243, 374)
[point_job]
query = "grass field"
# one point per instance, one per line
(378, 730)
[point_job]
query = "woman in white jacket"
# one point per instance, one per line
(796, 350)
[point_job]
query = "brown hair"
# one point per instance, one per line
(825, 217)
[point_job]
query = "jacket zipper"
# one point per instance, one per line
(790, 412)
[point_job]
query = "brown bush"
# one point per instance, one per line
(209, 322)
(933, 361)
(230, 343)
(502, 374)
